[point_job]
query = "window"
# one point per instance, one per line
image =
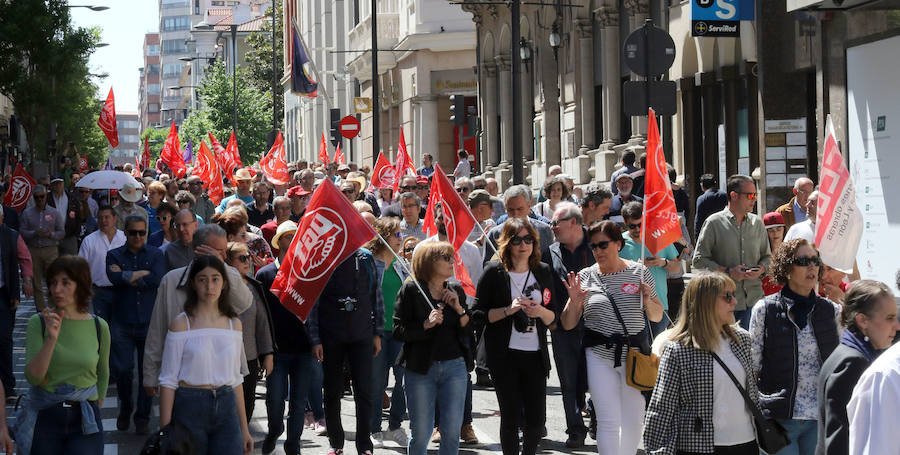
(174, 46)
(152, 50)
(172, 70)
(175, 4)
(153, 89)
(153, 108)
(152, 68)
(174, 23)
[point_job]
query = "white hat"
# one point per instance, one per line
(287, 227)
(129, 192)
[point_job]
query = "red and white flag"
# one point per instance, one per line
(339, 156)
(227, 161)
(208, 171)
(329, 232)
(839, 223)
(403, 164)
(323, 151)
(274, 164)
(20, 186)
(383, 175)
(660, 227)
(145, 157)
(458, 221)
(171, 153)
(83, 165)
(107, 120)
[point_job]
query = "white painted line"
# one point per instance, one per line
(110, 449)
(109, 425)
(110, 402)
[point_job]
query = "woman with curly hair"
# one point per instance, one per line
(555, 190)
(792, 333)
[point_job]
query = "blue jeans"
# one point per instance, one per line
(445, 384)
(58, 432)
(211, 419)
(381, 366)
(126, 339)
(467, 410)
(743, 317)
(314, 399)
(103, 301)
(570, 367)
(659, 327)
(803, 435)
(290, 375)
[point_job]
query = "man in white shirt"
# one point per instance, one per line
(872, 409)
(805, 229)
(93, 250)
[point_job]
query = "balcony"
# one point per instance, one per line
(388, 32)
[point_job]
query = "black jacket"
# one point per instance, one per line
(410, 312)
(493, 292)
(289, 332)
(837, 378)
(9, 249)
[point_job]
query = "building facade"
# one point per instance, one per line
(149, 88)
(128, 125)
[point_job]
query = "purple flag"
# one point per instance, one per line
(108, 166)
(189, 151)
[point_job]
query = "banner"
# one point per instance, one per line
(404, 162)
(171, 153)
(839, 223)
(329, 232)
(107, 120)
(274, 165)
(145, 157)
(383, 175)
(20, 187)
(83, 165)
(660, 227)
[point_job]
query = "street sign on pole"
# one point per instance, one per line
(649, 51)
(349, 126)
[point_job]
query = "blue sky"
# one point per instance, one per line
(124, 25)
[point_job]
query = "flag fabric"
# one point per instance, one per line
(137, 163)
(189, 152)
(20, 187)
(219, 154)
(208, 171)
(323, 151)
(171, 153)
(339, 156)
(302, 82)
(274, 164)
(230, 163)
(328, 233)
(83, 163)
(660, 227)
(383, 175)
(108, 166)
(145, 157)
(107, 120)
(404, 162)
(839, 222)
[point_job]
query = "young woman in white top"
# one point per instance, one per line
(201, 378)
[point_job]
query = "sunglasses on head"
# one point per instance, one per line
(136, 232)
(806, 261)
(517, 240)
(600, 245)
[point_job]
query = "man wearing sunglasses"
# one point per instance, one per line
(805, 229)
(734, 241)
(42, 229)
(135, 271)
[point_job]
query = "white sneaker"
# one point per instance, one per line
(398, 435)
(377, 440)
(319, 428)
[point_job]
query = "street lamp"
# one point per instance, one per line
(524, 51)
(101, 45)
(205, 27)
(90, 7)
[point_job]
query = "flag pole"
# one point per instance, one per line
(403, 264)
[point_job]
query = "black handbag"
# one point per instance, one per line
(770, 435)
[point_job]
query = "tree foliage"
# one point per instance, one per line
(259, 62)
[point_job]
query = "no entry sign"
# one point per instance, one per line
(349, 127)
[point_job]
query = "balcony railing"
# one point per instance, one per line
(388, 32)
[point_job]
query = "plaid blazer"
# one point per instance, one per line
(679, 417)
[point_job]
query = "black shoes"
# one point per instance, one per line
(141, 427)
(575, 441)
(124, 420)
(269, 444)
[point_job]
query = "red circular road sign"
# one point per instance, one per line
(349, 127)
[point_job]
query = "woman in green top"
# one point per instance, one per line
(67, 354)
(392, 277)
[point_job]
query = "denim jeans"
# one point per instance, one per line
(314, 399)
(743, 317)
(803, 435)
(381, 366)
(103, 301)
(659, 327)
(445, 384)
(58, 432)
(291, 374)
(570, 367)
(211, 418)
(358, 355)
(126, 339)
(467, 410)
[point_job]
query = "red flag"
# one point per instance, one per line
(383, 175)
(226, 160)
(83, 163)
(107, 120)
(220, 155)
(329, 232)
(274, 165)
(208, 171)
(234, 154)
(660, 226)
(20, 186)
(171, 153)
(145, 158)
(403, 163)
(339, 156)
(137, 163)
(323, 151)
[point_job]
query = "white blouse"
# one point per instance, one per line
(730, 425)
(202, 357)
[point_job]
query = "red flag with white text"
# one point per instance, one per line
(107, 120)
(383, 175)
(329, 232)
(660, 226)
(323, 151)
(227, 162)
(171, 153)
(209, 173)
(20, 187)
(274, 164)
(404, 162)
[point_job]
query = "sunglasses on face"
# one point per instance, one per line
(462, 190)
(408, 188)
(729, 296)
(136, 232)
(750, 196)
(806, 261)
(398, 235)
(245, 258)
(409, 249)
(195, 183)
(555, 223)
(634, 226)
(517, 240)
(422, 187)
(600, 245)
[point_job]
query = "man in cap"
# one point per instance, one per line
(343, 170)
(481, 203)
(203, 206)
(42, 229)
(624, 184)
(129, 195)
(243, 181)
(299, 197)
(628, 158)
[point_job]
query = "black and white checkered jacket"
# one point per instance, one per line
(680, 414)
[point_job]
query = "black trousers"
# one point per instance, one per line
(521, 385)
(747, 448)
(250, 382)
(359, 356)
(7, 322)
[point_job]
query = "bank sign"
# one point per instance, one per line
(715, 18)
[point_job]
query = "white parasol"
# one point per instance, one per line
(106, 180)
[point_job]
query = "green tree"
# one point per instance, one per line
(259, 62)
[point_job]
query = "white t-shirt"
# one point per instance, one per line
(463, 169)
(730, 425)
(527, 340)
(803, 230)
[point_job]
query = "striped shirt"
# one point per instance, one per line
(624, 286)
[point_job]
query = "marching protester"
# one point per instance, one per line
(595, 204)
(713, 200)
(129, 195)
(554, 191)
(774, 222)
(805, 229)
(794, 210)
(165, 215)
(515, 302)
(792, 333)
(156, 192)
(242, 181)
(517, 200)
(872, 408)
(17, 275)
(203, 206)
(94, 250)
(181, 252)
(42, 229)
(260, 211)
(614, 298)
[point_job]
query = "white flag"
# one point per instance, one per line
(839, 223)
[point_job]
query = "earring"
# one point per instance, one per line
(866, 338)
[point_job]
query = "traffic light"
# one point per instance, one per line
(335, 116)
(458, 109)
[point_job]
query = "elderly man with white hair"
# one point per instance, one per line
(794, 211)
(518, 200)
(805, 229)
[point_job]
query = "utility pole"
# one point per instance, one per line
(234, 75)
(274, 77)
(517, 164)
(376, 97)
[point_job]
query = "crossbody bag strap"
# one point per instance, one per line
(614, 306)
(753, 408)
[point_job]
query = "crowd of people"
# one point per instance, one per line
(157, 271)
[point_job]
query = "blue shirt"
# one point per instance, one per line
(153, 225)
(134, 301)
(632, 251)
(247, 200)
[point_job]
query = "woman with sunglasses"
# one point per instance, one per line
(434, 329)
(257, 334)
(514, 300)
(793, 332)
(695, 406)
(409, 245)
(165, 214)
(393, 274)
(613, 297)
